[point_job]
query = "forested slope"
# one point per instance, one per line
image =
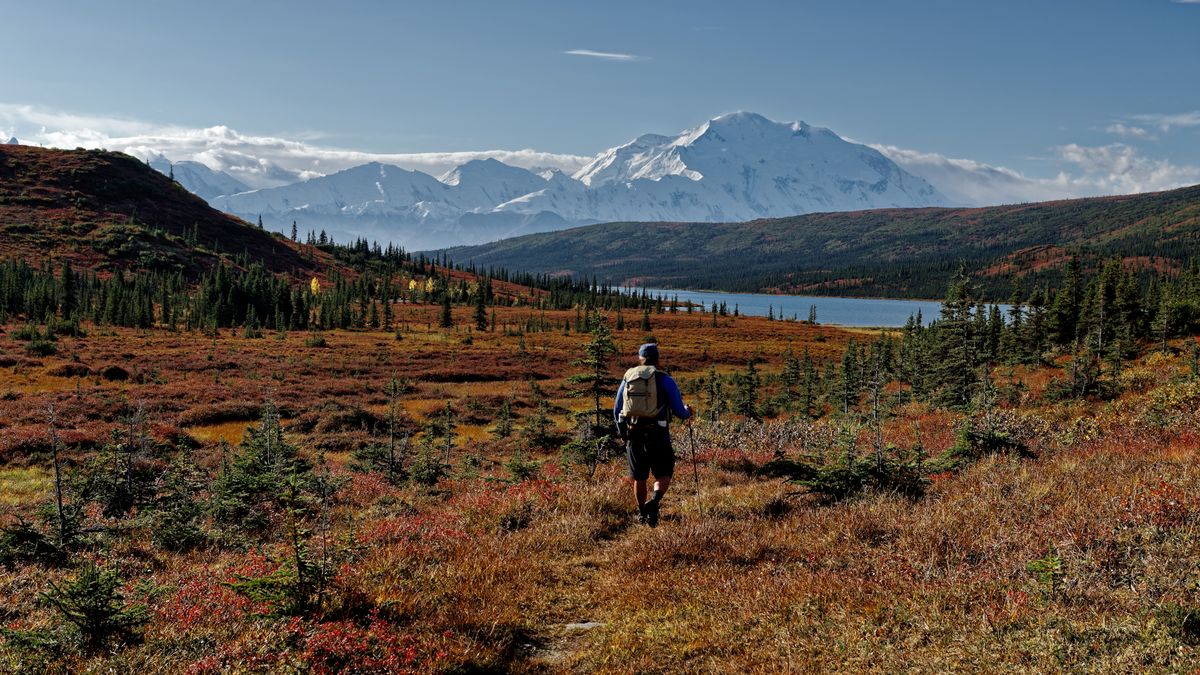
(890, 252)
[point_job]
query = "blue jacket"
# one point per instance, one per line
(667, 390)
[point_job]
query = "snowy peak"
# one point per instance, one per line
(737, 126)
(737, 166)
(624, 162)
(480, 170)
(368, 188)
(481, 184)
(198, 178)
(12, 141)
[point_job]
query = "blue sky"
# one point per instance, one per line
(1041, 88)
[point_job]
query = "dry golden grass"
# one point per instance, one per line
(230, 432)
(23, 485)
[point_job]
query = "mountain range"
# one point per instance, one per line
(106, 211)
(736, 167)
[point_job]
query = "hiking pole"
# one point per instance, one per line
(695, 467)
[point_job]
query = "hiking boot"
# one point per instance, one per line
(642, 516)
(652, 512)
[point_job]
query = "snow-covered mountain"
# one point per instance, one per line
(739, 166)
(484, 183)
(735, 167)
(198, 178)
(411, 208)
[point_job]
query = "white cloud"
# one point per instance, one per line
(1094, 170)
(968, 182)
(1166, 121)
(258, 161)
(1125, 131)
(607, 56)
(1114, 158)
(1117, 168)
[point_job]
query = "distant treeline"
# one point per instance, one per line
(244, 293)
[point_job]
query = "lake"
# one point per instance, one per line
(868, 312)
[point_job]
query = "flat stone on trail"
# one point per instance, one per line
(585, 625)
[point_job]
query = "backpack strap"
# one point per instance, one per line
(664, 406)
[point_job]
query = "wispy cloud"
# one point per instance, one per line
(1167, 121)
(607, 56)
(1127, 131)
(258, 161)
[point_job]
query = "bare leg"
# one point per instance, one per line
(639, 492)
(660, 485)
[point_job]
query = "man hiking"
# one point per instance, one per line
(646, 401)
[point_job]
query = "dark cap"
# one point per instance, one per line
(648, 351)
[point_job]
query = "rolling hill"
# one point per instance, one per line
(886, 252)
(106, 210)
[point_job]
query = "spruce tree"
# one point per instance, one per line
(1063, 318)
(537, 430)
(957, 354)
(849, 388)
(503, 428)
(809, 382)
(95, 605)
(481, 316)
(789, 379)
(1162, 327)
(1014, 328)
(1034, 337)
(716, 400)
(745, 397)
(597, 353)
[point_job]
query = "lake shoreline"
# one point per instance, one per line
(831, 310)
(787, 295)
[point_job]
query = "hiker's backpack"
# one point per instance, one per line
(641, 395)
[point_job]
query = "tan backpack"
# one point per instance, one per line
(641, 394)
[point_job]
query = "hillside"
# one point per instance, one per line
(889, 252)
(105, 210)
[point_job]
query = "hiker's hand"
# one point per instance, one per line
(690, 411)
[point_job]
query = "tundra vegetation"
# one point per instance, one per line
(408, 467)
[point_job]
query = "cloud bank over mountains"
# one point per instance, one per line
(1116, 168)
(270, 161)
(257, 161)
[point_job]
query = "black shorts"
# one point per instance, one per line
(649, 451)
